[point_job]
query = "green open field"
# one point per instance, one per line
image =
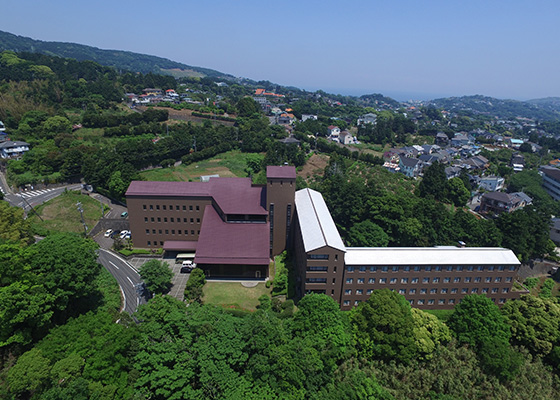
(234, 295)
(61, 214)
(229, 164)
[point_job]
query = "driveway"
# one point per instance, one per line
(178, 281)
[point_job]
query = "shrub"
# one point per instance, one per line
(193, 289)
(531, 282)
(546, 290)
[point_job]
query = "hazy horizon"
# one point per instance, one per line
(404, 49)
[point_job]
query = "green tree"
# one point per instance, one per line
(13, 227)
(434, 182)
(66, 265)
(383, 327)
(477, 321)
(367, 234)
(56, 125)
(457, 193)
(526, 148)
(534, 323)
(429, 332)
(30, 374)
(157, 276)
(117, 186)
(193, 289)
(246, 107)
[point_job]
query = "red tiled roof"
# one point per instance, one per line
(179, 245)
(281, 171)
(231, 243)
(259, 91)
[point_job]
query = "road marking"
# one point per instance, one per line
(130, 280)
(123, 260)
(124, 298)
(113, 264)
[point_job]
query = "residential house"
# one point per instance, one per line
(305, 117)
(333, 133)
(499, 202)
(13, 149)
(476, 162)
(428, 159)
(347, 138)
(442, 139)
(285, 119)
(409, 166)
(452, 172)
(461, 140)
(517, 162)
(369, 118)
(431, 148)
(152, 92)
(513, 143)
(290, 140)
(491, 183)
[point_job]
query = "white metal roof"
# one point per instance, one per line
(317, 226)
(429, 256)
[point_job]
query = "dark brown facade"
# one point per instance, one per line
(155, 220)
(280, 193)
(318, 271)
(429, 287)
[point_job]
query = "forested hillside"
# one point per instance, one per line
(122, 60)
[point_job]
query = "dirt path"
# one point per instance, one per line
(314, 166)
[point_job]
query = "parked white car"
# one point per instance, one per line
(108, 233)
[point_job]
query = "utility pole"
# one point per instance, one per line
(81, 210)
(31, 207)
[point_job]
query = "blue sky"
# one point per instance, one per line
(400, 48)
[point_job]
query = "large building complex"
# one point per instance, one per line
(235, 227)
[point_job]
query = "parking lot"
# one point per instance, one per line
(178, 281)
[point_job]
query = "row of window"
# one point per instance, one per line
(436, 279)
(321, 257)
(421, 302)
(164, 207)
(171, 219)
(396, 268)
(179, 232)
(349, 292)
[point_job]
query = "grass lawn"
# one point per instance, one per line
(229, 164)
(61, 214)
(233, 294)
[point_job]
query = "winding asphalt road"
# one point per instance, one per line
(128, 280)
(127, 277)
